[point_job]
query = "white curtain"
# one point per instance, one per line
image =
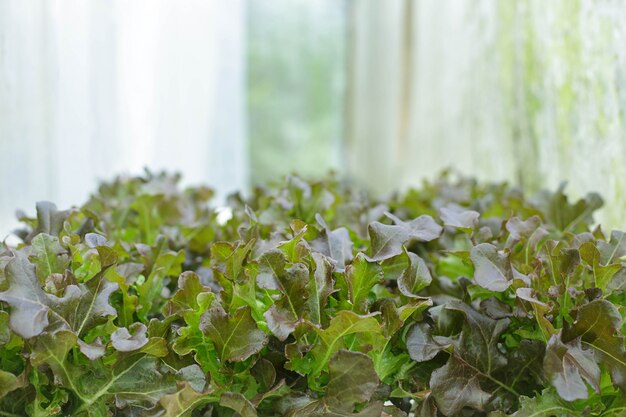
(527, 91)
(377, 93)
(91, 89)
(422, 95)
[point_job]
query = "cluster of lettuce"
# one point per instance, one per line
(313, 299)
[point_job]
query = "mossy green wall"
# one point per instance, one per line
(529, 91)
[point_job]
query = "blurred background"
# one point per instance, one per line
(385, 93)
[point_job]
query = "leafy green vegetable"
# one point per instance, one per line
(493, 268)
(236, 338)
(387, 240)
(568, 367)
(314, 299)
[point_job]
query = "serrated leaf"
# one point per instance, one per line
(547, 404)
(30, 305)
(81, 306)
(602, 274)
(183, 402)
(571, 217)
(393, 318)
(415, 277)
(131, 379)
(524, 371)
(296, 247)
(598, 324)
(229, 259)
(49, 219)
(319, 287)
(492, 268)
(191, 301)
(193, 375)
(160, 262)
(332, 338)
(93, 306)
(335, 244)
(93, 350)
(524, 229)
(459, 217)
(613, 250)
(186, 297)
(265, 373)
(387, 240)
(49, 256)
(236, 338)
(361, 276)
(123, 341)
(473, 362)
(352, 378)
(457, 385)
(239, 403)
(292, 282)
(421, 344)
(568, 366)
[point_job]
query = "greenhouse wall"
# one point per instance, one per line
(531, 92)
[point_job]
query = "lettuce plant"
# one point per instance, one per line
(313, 299)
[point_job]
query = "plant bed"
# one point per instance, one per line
(312, 299)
